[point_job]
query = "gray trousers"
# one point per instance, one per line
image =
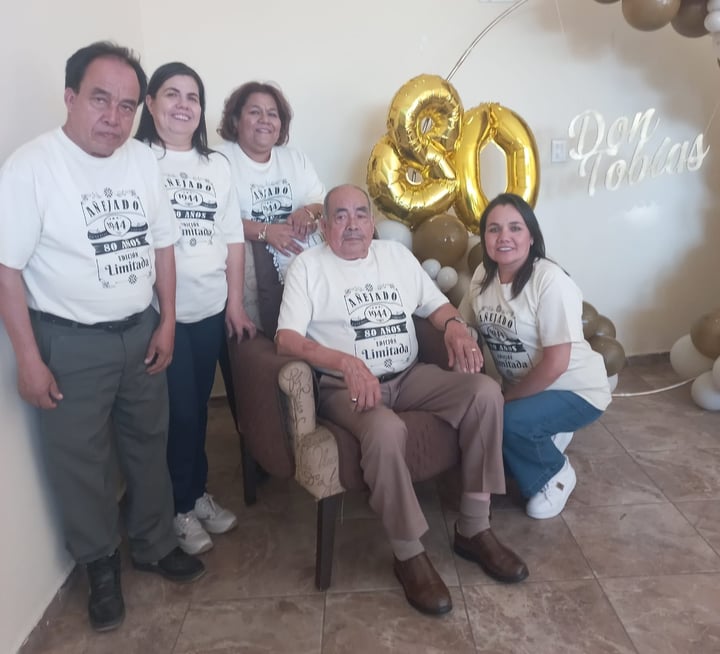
(472, 404)
(107, 393)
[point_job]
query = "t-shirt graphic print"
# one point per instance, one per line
(499, 330)
(117, 228)
(379, 320)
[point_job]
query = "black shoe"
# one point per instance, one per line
(106, 608)
(176, 566)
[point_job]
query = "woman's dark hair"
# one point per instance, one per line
(235, 103)
(537, 247)
(147, 131)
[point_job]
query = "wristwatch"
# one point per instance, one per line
(456, 319)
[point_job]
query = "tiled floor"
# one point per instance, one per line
(632, 565)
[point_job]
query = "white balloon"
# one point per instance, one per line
(613, 381)
(704, 393)
(686, 361)
(457, 292)
(712, 21)
(431, 267)
(446, 278)
(716, 373)
(392, 230)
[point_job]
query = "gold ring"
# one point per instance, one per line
(473, 349)
(353, 399)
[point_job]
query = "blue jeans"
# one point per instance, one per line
(529, 424)
(190, 379)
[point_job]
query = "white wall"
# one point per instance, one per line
(644, 255)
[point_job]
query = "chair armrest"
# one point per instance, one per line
(275, 401)
(316, 450)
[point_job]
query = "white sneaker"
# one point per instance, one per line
(192, 538)
(562, 439)
(213, 517)
(550, 501)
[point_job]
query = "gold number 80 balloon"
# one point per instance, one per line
(429, 158)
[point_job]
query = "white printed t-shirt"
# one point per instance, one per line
(269, 192)
(84, 229)
(208, 214)
(547, 312)
(363, 307)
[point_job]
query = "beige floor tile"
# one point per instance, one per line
(546, 546)
(625, 541)
(611, 480)
(383, 621)
(668, 615)
(561, 617)
(705, 517)
(291, 625)
(270, 555)
(147, 628)
(594, 441)
(684, 474)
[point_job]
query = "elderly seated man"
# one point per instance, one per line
(347, 310)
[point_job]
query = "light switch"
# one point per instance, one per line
(558, 151)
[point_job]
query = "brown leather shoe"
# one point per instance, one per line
(423, 587)
(498, 561)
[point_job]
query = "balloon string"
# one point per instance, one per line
(477, 39)
(712, 117)
(655, 390)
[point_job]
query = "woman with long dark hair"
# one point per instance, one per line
(529, 312)
(210, 261)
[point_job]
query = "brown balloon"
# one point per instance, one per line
(589, 319)
(442, 237)
(604, 327)
(611, 351)
(690, 19)
(649, 15)
(475, 257)
(705, 334)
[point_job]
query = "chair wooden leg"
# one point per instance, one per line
(249, 473)
(325, 540)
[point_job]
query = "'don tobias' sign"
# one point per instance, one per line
(597, 148)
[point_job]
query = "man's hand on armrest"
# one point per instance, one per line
(363, 386)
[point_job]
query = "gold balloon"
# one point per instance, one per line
(425, 118)
(690, 18)
(649, 15)
(604, 327)
(441, 237)
(705, 334)
(611, 351)
(475, 257)
(589, 319)
(486, 123)
(404, 189)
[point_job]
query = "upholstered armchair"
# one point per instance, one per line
(274, 400)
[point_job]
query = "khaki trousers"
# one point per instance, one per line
(472, 404)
